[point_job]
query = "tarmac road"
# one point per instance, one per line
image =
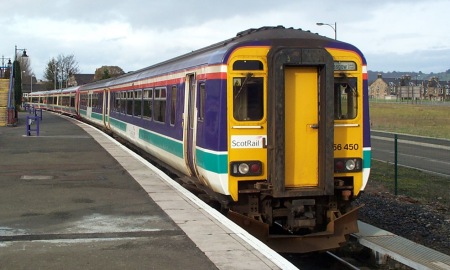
(426, 154)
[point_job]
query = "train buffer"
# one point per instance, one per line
(32, 124)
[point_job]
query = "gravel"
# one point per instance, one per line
(428, 225)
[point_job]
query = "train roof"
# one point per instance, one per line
(218, 53)
(55, 91)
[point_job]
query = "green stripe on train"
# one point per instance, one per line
(367, 155)
(97, 116)
(212, 162)
(118, 124)
(83, 112)
(173, 147)
(209, 161)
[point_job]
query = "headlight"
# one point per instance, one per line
(347, 165)
(350, 165)
(246, 168)
(243, 168)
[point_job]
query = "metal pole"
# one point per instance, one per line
(55, 71)
(396, 165)
(334, 28)
(335, 31)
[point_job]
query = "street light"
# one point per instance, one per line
(24, 54)
(334, 28)
(12, 111)
(3, 67)
(56, 74)
(31, 83)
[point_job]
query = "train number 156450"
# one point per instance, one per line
(347, 146)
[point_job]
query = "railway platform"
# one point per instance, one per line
(73, 198)
(388, 245)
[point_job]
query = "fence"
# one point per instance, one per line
(418, 167)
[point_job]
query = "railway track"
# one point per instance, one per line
(342, 261)
(326, 261)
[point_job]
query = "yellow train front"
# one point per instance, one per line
(298, 138)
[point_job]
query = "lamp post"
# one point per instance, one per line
(12, 110)
(31, 83)
(334, 28)
(56, 74)
(3, 67)
(24, 54)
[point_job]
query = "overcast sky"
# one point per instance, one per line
(400, 35)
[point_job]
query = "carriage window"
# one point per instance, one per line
(345, 98)
(100, 100)
(123, 102)
(201, 103)
(148, 103)
(65, 101)
(248, 96)
(83, 100)
(159, 104)
(116, 104)
(94, 100)
(137, 103)
(129, 95)
(173, 104)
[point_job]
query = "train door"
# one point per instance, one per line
(301, 110)
(106, 107)
(190, 123)
(89, 105)
(77, 102)
(301, 130)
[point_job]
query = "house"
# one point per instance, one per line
(80, 79)
(32, 85)
(379, 89)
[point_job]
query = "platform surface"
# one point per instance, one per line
(72, 198)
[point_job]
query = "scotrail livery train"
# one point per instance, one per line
(274, 121)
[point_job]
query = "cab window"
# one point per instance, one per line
(345, 98)
(248, 98)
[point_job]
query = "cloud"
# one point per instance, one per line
(426, 61)
(133, 34)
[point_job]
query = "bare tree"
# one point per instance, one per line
(24, 63)
(59, 70)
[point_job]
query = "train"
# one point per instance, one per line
(272, 123)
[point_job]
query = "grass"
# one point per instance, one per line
(424, 120)
(423, 187)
